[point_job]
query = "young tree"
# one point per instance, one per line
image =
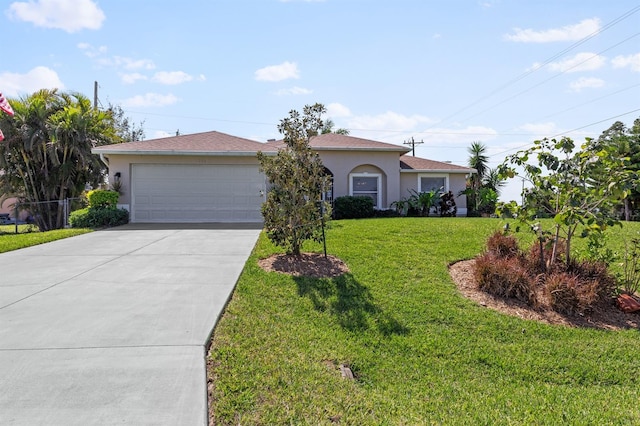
(294, 210)
(46, 156)
(579, 189)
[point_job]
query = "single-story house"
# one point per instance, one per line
(216, 177)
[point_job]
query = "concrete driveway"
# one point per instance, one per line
(110, 327)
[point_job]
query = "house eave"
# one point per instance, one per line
(458, 171)
(327, 148)
(183, 153)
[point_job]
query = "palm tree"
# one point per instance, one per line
(493, 180)
(47, 153)
(478, 160)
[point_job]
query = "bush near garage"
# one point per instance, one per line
(100, 198)
(353, 207)
(102, 211)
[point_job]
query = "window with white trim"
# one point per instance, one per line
(427, 183)
(368, 185)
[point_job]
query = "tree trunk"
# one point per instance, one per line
(627, 209)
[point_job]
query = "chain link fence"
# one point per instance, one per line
(28, 216)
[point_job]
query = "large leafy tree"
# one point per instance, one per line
(625, 142)
(46, 156)
(294, 210)
(126, 129)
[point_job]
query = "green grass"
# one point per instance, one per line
(10, 241)
(421, 353)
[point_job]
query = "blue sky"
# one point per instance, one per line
(502, 72)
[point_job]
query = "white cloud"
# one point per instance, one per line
(574, 32)
(92, 51)
(128, 63)
(158, 134)
(150, 100)
(455, 135)
(338, 110)
(631, 61)
(585, 61)
(487, 4)
(38, 78)
(172, 77)
(540, 130)
(132, 78)
(68, 15)
(387, 121)
(294, 91)
(280, 72)
(586, 83)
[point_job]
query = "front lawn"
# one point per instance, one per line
(420, 352)
(10, 241)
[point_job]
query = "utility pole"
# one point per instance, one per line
(95, 95)
(413, 144)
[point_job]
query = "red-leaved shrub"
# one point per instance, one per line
(505, 277)
(503, 245)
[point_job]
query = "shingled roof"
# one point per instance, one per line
(207, 143)
(417, 164)
(336, 142)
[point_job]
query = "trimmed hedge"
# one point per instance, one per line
(98, 217)
(353, 207)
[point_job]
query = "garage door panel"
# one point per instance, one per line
(196, 193)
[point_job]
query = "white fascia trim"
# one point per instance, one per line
(450, 171)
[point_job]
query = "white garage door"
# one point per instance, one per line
(196, 193)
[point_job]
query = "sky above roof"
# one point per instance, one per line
(445, 73)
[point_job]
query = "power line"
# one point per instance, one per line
(574, 130)
(546, 62)
(550, 78)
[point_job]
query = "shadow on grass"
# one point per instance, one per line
(350, 302)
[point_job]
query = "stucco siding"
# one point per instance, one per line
(343, 163)
(457, 183)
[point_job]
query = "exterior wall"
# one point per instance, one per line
(122, 164)
(457, 183)
(342, 163)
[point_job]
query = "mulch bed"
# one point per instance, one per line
(608, 318)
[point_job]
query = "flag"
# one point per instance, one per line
(4, 105)
(1, 136)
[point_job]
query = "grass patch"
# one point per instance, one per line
(421, 353)
(11, 241)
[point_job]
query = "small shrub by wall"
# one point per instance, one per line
(102, 198)
(100, 217)
(353, 207)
